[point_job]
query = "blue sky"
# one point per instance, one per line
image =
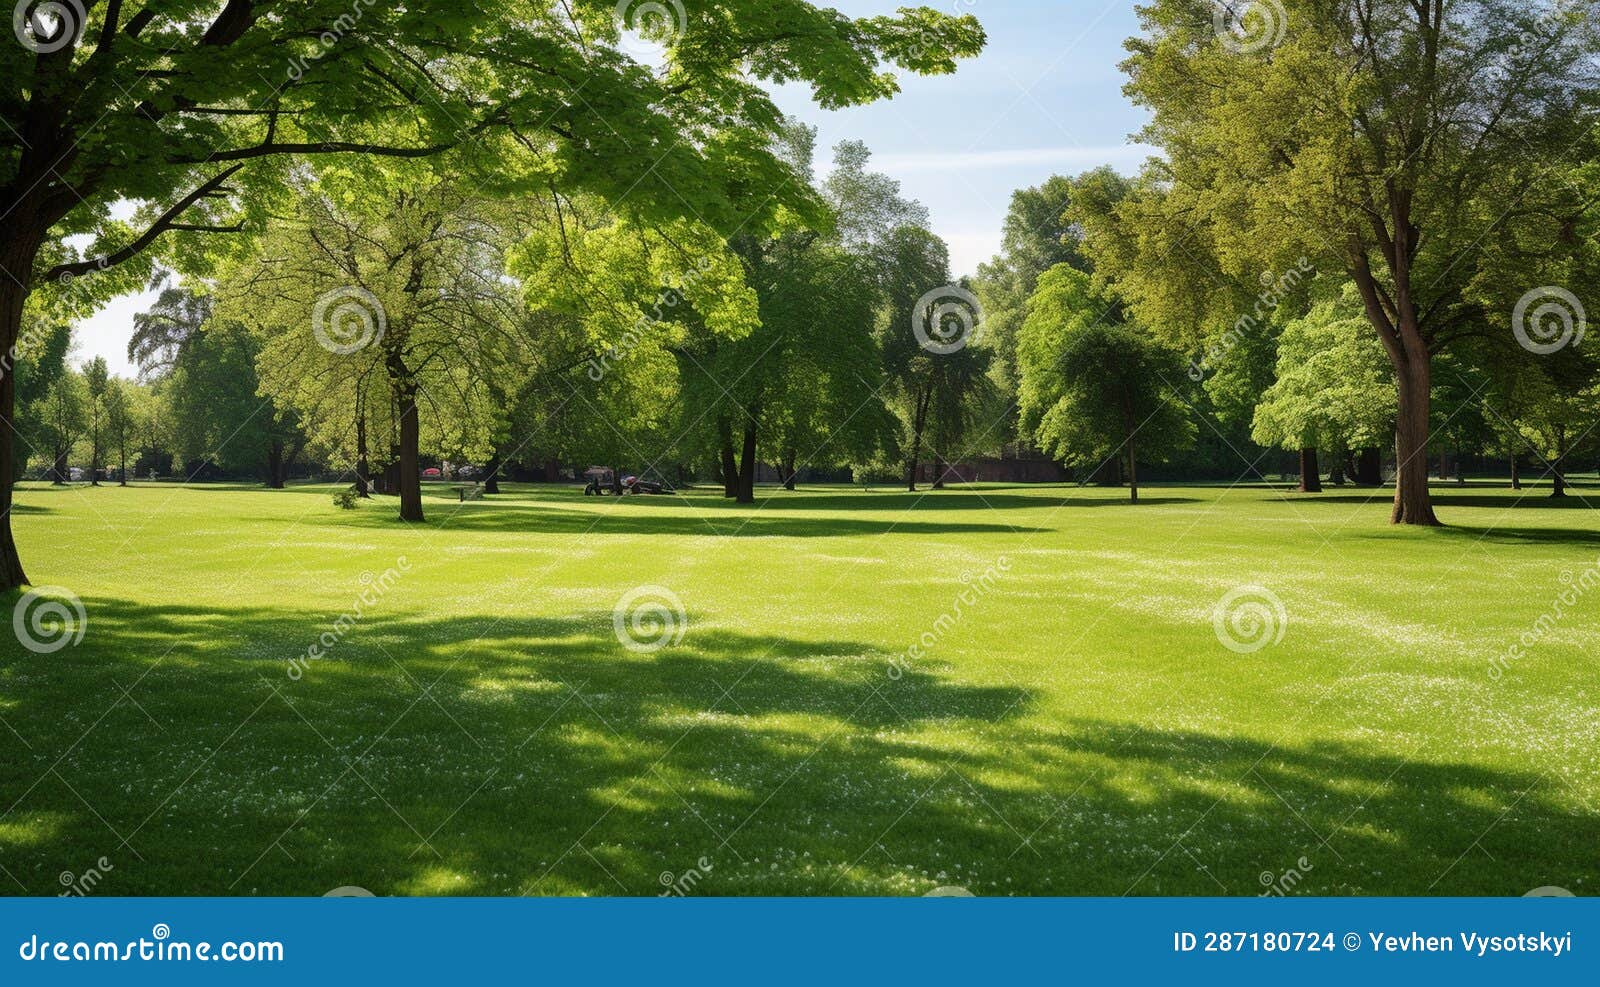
(1044, 98)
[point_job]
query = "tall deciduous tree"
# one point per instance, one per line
(97, 384)
(1093, 388)
(1333, 392)
(172, 106)
(63, 414)
(121, 410)
(1387, 139)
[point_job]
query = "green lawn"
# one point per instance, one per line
(1075, 727)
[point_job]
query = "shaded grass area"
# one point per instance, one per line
(1074, 726)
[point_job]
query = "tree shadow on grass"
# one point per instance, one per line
(702, 521)
(480, 755)
(966, 500)
(1528, 501)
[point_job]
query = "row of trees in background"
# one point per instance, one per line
(1372, 227)
(204, 121)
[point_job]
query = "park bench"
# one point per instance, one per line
(472, 491)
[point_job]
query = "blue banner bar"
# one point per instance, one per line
(787, 940)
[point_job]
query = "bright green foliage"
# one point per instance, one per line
(215, 413)
(936, 380)
(121, 408)
(41, 360)
(1334, 388)
(1036, 237)
(62, 416)
(1095, 389)
(97, 384)
(1381, 139)
(155, 101)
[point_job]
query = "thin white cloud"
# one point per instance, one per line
(1116, 155)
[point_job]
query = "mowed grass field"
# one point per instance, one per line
(1075, 725)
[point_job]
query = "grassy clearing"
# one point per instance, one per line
(1077, 728)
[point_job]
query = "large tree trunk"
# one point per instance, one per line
(363, 470)
(788, 469)
(1516, 472)
(275, 464)
(730, 469)
(1133, 471)
(1310, 472)
(1558, 468)
(939, 468)
(1369, 468)
(1133, 459)
(21, 234)
(410, 472)
(1412, 502)
(491, 474)
(61, 470)
(12, 295)
(122, 465)
(919, 419)
(747, 464)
